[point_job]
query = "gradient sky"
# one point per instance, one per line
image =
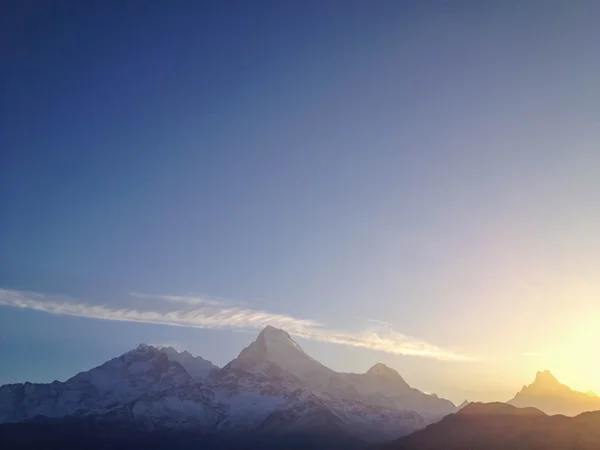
(416, 183)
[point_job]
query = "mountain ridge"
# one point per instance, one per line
(499, 426)
(272, 385)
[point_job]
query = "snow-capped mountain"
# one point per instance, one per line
(197, 367)
(380, 385)
(273, 386)
(116, 382)
(275, 346)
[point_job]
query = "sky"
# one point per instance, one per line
(413, 183)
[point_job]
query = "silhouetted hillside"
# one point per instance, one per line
(498, 426)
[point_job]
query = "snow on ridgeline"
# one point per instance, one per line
(272, 385)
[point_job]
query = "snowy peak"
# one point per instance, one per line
(277, 340)
(384, 376)
(270, 330)
(383, 371)
(141, 368)
(197, 367)
(275, 347)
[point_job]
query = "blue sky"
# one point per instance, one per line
(418, 181)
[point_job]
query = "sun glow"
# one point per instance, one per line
(577, 358)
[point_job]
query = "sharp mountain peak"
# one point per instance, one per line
(546, 377)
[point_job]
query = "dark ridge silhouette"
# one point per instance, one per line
(499, 426)
(499, 408)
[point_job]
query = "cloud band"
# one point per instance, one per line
(213, 315)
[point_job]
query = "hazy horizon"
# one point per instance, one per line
(400, 182)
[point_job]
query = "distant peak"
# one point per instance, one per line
(545, 377)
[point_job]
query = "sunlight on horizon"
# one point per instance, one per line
(575, 360)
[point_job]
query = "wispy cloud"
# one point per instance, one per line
(188, 299)
(207, 315)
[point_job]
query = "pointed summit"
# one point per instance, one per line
(276, 337)
(545, 378)
(271, 330)
(553, 397)
(544, 383)
(381, 370)
(274, 346)
(276, 341)
(382, 375)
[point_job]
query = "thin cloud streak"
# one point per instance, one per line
(214, 316)
(190, 300)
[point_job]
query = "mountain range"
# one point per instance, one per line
(273, 388)
(274, 395)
